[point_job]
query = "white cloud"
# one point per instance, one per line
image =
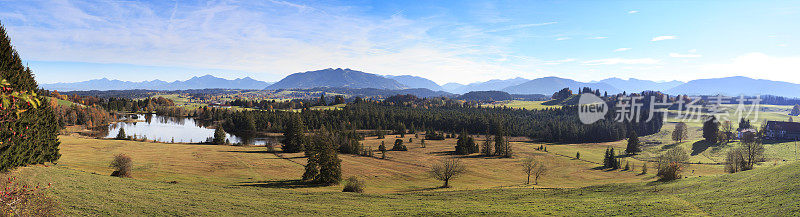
(633, 12)
(757, 65)
(562, 38)
(622, 49)
(664, 37)
(690, 55)
(557, 62)
(615, 61)
(264, 39)
(598, 37)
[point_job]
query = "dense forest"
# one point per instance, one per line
(406, 112)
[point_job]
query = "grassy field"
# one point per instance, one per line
(769, 191)
(400, 172)
(62, 102)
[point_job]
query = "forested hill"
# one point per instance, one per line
(491, 96)
(336, 78)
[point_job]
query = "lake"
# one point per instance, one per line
(168, 129)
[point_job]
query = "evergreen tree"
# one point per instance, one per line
(219, 136)
(501, 145)
(121, 135)
(32, 136)
(711, 130)
(322, 157)
(294, 135)
(466, 144)
(398, 145)
(633, 144)
(382, 149)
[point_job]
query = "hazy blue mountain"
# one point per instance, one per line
(336, 78)
(550, 85)
(203, 82)
(451, 87)
(416, 82)
(636, 85)
(494, 84)
(735, 86)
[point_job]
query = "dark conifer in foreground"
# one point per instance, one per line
(31, 137)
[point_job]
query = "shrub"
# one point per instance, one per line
(671, 164)
(122, 165)
(398, 146)
(19, 199)
(353, 185)
(578, 155)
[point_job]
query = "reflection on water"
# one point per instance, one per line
(173, 129)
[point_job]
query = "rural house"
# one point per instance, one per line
(782, 130)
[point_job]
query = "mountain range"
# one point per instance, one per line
(348, 78)
(549, 85)
(336, 78)
(204, 82)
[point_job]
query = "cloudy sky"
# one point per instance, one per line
(445, 41)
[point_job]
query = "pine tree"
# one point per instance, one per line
(32, 137)
(633, 143)
(294, 135)
(711, 130)
(382, 149)
(324, 166)
(219, 136)
(121, 135)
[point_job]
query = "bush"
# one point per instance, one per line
(19, 199)
(398, 146)
(122, 165)
(353, 185)
(671, 164)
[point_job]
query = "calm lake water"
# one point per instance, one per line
(165, 129)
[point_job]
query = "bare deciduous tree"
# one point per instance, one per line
(447, 169)
(534, 168)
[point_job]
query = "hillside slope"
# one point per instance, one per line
(761, 192)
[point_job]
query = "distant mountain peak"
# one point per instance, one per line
(336, 78)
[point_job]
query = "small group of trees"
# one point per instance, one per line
(324, 165)
(610, 160)
(534, 168)
(745, 157)
(466, 144)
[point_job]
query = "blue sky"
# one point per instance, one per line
(446, 41)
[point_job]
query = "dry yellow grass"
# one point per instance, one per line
(402, 171)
